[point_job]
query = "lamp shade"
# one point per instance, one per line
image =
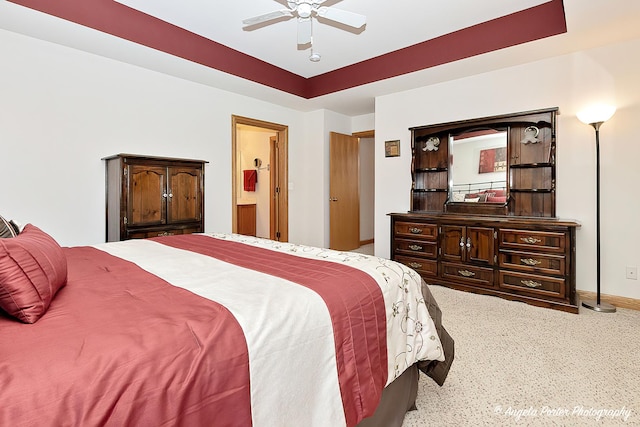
(596, 114)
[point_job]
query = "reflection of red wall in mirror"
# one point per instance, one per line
(493, 160)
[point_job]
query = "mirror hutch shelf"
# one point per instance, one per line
(489, 225)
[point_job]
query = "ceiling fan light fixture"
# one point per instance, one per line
(304, 10)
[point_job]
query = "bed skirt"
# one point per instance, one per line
(397, 398)
(400, 396)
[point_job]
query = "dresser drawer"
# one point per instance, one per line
(541, 285)
(533, 240)
(415, 230)
(426, 268)
(533, 262)
(419, 248)
(470, 275)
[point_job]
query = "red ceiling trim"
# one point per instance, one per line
(536, 23)
(108, 16)
(119, 20)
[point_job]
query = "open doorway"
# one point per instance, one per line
(260, 204)
(367, 191)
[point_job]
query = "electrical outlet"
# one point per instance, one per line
(632, 273)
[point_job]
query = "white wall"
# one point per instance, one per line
(570, 82)
(363, 123)
(62, 110)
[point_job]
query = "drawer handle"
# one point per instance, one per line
(415, 265)
(414, 230)
(530, 240)
(466, 273)
(165, 233)
(531, 283)
(415, 248)
(530, 261)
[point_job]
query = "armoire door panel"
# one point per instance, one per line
(184, 202)
(147, 195)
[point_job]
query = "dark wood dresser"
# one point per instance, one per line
(524, 259)
(153, 196)
(483, 210)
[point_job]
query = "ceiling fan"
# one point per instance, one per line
(304, 10)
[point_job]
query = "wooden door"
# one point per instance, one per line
(184, 194)
(146, 194)
(344, 192)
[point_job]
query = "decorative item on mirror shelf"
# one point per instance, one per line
(431, 144)
(531, 135)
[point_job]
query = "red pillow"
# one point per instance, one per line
(497, 199)
(32, 269)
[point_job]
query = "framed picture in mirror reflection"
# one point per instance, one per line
(493, 160)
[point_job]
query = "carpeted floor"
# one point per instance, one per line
(521, 365)
(365, 249)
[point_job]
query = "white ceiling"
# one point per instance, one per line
(390, 26)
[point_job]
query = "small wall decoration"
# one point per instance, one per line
(493, 160)
(392, 148)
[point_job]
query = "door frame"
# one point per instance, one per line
(365, 134)
(281, 172)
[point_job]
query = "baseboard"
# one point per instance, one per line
(622, 302)
(366, 242)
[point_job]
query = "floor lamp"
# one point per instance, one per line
(596, 116)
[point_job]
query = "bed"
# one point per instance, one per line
(210, 330)
(480, 192)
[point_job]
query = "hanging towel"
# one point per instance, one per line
(250, 179)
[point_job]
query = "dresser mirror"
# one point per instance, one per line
(478, 166)
(500, 165)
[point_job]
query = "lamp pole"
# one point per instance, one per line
(597, 305)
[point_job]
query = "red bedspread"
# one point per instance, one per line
(120, 346)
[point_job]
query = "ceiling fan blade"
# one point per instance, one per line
(266, 17)
(351, 19)
(304, 31)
